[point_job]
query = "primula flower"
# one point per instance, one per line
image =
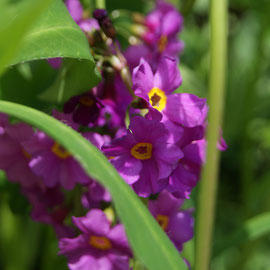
(48, 208)
(143, 157)
(53, 163)
(85, 108)
(99, 247)
(185, 109)
(96, 192)
(187, 173)
(14, 158)
(177, 224)
(164, 24)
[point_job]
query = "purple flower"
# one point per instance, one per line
(99, 247)
(14, 158)
(53, 163)
(164, 24)
(48, 208)
(185, 109)
(143, 157)
(96, 192)
(55, 62)
(187, 173)
(65, 118)
(85, 108)
(177, 224)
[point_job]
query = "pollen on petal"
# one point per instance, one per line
(100, 242)
(162, 43)
(157, 98)
(59, 151)
(163, 221)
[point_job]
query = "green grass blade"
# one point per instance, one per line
(207, 193)
(149, 243)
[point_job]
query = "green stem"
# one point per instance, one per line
(101, 4)
(208, 186)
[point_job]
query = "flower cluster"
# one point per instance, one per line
(159, 153)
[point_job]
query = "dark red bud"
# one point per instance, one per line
(100, 14)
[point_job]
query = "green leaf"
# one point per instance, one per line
(149, 242)
(24, 82)
(15, 21)
(55, 34)
(73, 79)
(251, 230)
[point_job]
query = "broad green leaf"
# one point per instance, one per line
(251, 230)
(13, 25)
(149, 242)
(24, 82)
(55, 34)
(73, 79)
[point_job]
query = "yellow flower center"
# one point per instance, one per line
(100, 242)
(157, 98)
(163, 221)
(162, 43)
(142, 151)
(86, 101)
(59, 151)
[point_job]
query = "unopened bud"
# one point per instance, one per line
(104, 22)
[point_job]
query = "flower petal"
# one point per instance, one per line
(185, 109)
(167, 77)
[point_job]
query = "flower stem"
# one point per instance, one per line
(208, 185)
(101, 4)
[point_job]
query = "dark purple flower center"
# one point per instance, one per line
(142, 151)
(59, 151)
(87, 101)
(100, 242)
(157, 98)
(163, 221)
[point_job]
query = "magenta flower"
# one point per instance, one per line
(14, 158)
(99, 247)
(187, 173)
(164, 24)
(96, 192)
(85, 108)
(143, 157)
(53, 163)
(185, 109)
(177, 224)
(47, 207)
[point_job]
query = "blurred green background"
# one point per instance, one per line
(244, 181)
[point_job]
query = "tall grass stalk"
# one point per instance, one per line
(208, 185)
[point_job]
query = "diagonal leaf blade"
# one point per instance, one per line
(150, 244)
